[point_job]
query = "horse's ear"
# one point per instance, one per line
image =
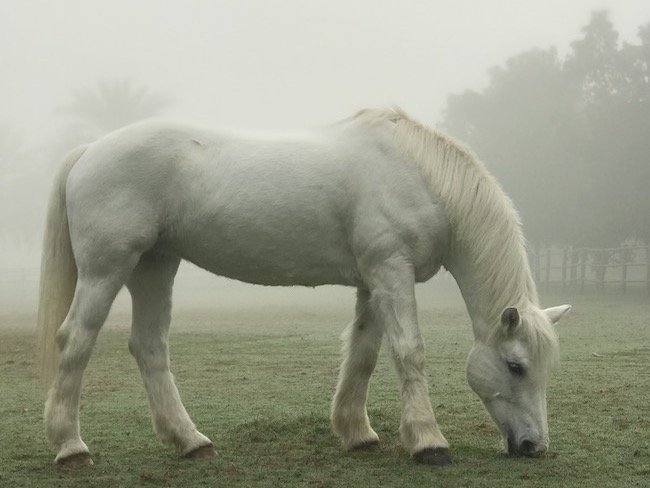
(554, 314)
(510, 319)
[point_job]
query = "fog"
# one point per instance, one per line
(72, 71)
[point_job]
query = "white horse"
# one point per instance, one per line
(377, 201)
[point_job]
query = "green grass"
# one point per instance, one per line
(259, 384)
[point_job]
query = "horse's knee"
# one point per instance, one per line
(409, 355)
(138, 349)
(149, 353)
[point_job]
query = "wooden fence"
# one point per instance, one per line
(583, 269)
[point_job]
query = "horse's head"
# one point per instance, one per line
(509, 371)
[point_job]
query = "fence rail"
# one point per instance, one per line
(581, 268)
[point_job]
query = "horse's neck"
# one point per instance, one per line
(481, 293)
(488, 258)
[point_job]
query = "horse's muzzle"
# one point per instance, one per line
(526, 447)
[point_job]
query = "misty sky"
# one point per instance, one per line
(275, 64)
(262, 64)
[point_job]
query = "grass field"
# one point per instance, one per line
(259, 382)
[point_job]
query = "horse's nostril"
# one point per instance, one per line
(529, 448)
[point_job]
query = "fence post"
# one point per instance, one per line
(623, 272)
(573, 276)
(583, 269)
(564, 263)
(647, 268)
(548, 268)
(602, 269)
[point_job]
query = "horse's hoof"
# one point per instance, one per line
(372, 445)
(203, 452)
(77, 460)
(436, 456)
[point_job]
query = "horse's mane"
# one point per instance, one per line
(484, 223)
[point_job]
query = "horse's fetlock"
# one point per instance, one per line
(339, 419)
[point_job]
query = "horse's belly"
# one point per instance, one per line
(266, 264)
(270, 247)
(265, 273)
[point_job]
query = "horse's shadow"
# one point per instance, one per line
(307, 439)
(303, 438)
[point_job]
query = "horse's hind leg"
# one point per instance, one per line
(92, 300)
(362, 340)
(151, 288)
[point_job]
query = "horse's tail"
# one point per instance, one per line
(58, 272)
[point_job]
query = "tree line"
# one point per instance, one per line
(568, 137)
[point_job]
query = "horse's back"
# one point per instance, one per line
(273, 210)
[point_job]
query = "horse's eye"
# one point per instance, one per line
(515, 368)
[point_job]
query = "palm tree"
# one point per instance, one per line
(113, 104)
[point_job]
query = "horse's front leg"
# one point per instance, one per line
(151, 287)
(361, 343)
(392, 288)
